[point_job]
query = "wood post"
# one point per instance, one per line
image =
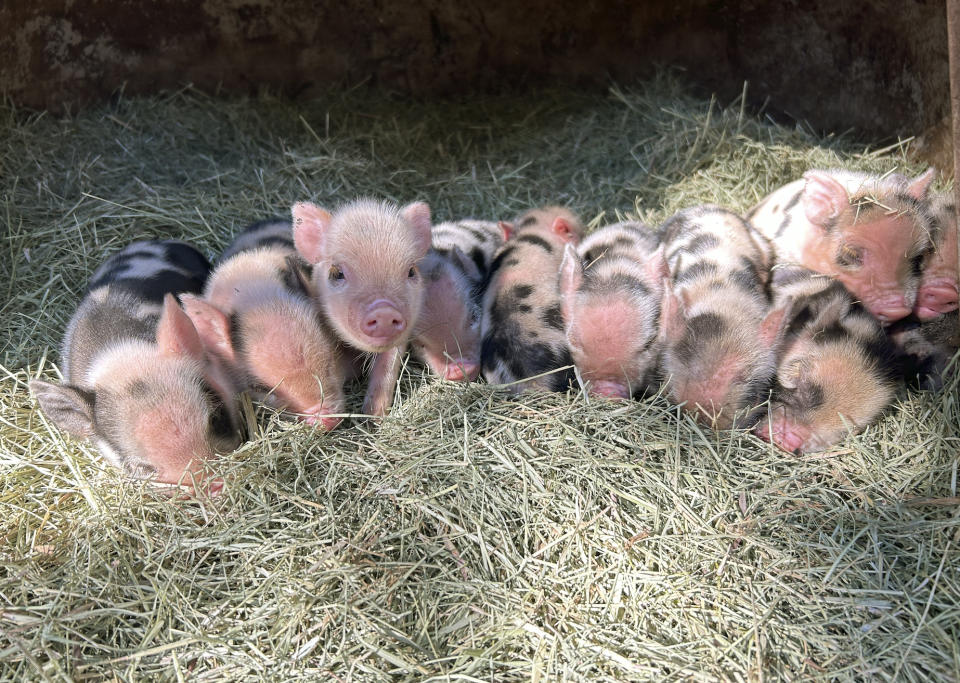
(953, 44)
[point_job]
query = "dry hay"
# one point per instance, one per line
(472, 535)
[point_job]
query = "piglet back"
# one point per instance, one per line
(271, 232)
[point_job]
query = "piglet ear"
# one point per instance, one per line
(417, 214)
(301, 275)
(671, 314)
(824, 199)
(506, 229)
(571, 277)
(68, 407)
(918, 186)
(310, 224)
(656, 269)
(211, 325)
(774, 325)
(564, 230)
(466, 264)
(176, 334)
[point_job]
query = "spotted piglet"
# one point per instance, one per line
(835, 373)
(611, 307)
(719, 335)
(478, 240)
(260, 320)
(929, 349)
(522, 326)
(366, 276)
(447, 334)
(138, 381)
(871, 233)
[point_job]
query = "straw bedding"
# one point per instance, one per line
(472, 535)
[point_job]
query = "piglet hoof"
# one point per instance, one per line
(609, 389)
(462, 371)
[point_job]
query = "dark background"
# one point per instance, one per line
(876, 67)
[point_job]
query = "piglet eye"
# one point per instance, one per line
(850, 257)
(335, 274)
(412, 273)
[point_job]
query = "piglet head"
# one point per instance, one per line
(281, 351)
(447, 332)
(611, 328)
(159, 411)
(873, 240)
(938, 283)
(823, 391)
(365, 267)
(719, 366)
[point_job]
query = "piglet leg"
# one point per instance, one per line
(383, 381)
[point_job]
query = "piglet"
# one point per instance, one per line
(522, 325)
(270, 232)
(256, 314)
(447, 333)
(478, 240)
(938, 282)
(365, 258)
(611, 307)
(928, 349)
(139, 382)
(871, 233)
(718, 333)
(835, 374)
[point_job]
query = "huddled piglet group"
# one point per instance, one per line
(794, 320)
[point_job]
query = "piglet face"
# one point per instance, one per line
(612, 341)
(151, 413)
(292, 361)
(873, 239)
(163, 410)
(822, 393)
(719, 358)
(366, 272)
(938, 284)
(447, 333)
(869, 259)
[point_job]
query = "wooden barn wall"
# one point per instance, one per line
(879, 67)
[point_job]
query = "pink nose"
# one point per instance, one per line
(609, 389)
(383, 321)
(889, 314)
(462, 371)
(936, 299)
(320, 414)
(787, 437)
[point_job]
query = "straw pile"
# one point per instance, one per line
(471, 536)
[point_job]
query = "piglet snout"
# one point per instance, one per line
(890, 307)
(936, 299)
(889, 314)
(383, 321)
(319, 414)
(790, 438)
(462, 371)
(609, 389)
